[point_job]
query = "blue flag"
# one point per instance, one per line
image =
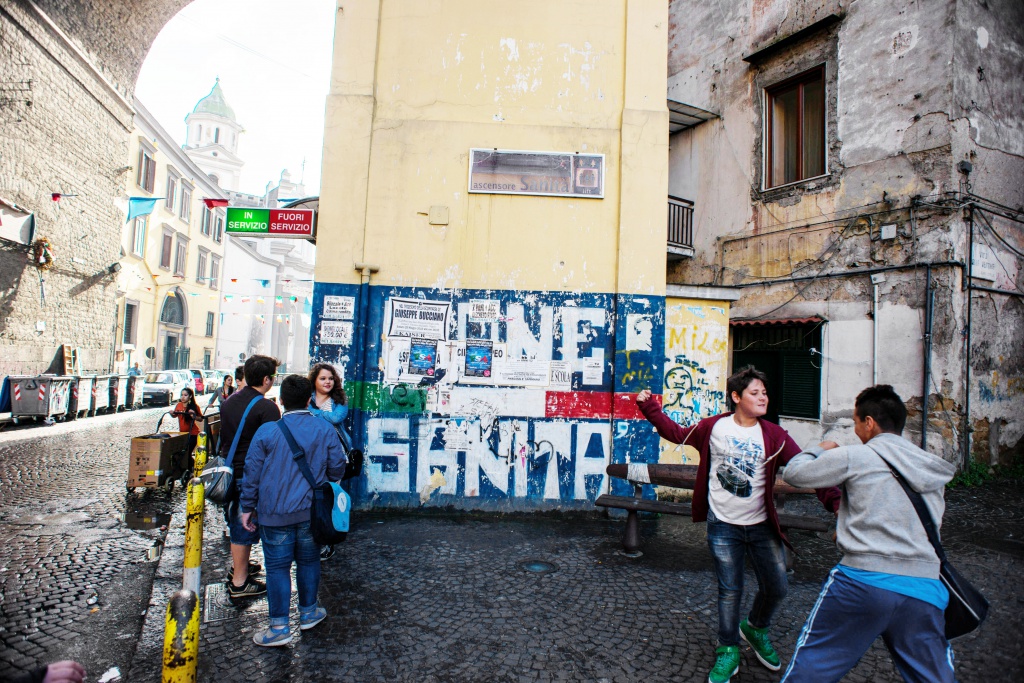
(141, 206)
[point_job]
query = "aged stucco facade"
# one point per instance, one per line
(911, 91)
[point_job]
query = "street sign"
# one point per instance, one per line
(271, 222)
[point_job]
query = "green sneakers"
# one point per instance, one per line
(758, 640)
(727, 663)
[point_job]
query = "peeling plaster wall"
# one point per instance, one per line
(905, 101)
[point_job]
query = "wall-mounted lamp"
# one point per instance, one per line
(113, 268)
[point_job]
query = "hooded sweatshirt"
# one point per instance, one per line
(878, 529)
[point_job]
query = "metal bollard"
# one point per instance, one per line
(191, 579)
(200, 456)
(181, 638)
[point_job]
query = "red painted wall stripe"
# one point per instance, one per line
(591, 405)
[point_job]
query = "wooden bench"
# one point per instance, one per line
(684, 477)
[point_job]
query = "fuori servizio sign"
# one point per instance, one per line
(271, 222)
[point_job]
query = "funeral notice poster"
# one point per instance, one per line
(418, 318)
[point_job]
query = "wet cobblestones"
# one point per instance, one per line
(427, 597)
(72, 574)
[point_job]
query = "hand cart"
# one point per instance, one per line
(159, 459)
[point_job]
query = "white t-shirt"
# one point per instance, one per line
(736, 478)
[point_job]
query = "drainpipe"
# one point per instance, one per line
(359, 418)
(929, 309)
(967, 331)
(876, 279)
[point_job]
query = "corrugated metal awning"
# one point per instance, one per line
(682, 116)
(811, 320)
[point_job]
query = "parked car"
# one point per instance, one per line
(199, 380)
(188, 379)
(163, 387)
(213, 380)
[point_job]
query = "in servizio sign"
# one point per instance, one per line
(271, 222)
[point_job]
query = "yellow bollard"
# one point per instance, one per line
(181, 638)
(191, 579)
(200, 456)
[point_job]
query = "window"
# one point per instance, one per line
(787, 352)
(209, 324)
(131, 316)
(180, 256)
(795, 129)
(166, 249)
(146, 177)
(214, 272)
(185, 210)
(207, 358)
(173, 311)
(218, 227)
(139, 235)
(216, 134)
(207, 223)
(172, 190)
(199, 133)
(201, 265)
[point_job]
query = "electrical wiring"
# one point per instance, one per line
(988, 224)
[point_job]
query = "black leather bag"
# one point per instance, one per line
(967, 607)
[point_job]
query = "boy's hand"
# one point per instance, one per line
(828, 445)
(643, 396)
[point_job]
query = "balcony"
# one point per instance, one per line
(680, 228)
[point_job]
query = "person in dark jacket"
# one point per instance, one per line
(275, 490)
(259, 374)
(740, 453)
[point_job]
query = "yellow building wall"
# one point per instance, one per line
(419, 84)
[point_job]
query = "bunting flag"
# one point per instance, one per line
(57, 196)
(214, 203)
(141, 206)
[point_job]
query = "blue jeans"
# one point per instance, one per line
(729, 544)
(850, 615)
(282, 545)
(233, 517)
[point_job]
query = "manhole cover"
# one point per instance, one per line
(538, 566)
(217, 605)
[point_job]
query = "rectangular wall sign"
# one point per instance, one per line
(558, 174)
(271, 222)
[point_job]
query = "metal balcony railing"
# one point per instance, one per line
(680, 226)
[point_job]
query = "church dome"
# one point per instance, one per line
(214, 104)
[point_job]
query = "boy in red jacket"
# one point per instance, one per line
(740, 453)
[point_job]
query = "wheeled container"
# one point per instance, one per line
(158, 459)
(134, 399)
(100, 394)
(41, 396)
(118, 392)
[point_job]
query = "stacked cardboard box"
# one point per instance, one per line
(151, 458)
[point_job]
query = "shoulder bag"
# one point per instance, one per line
(328, 518)
(967, 607)
(219, 475)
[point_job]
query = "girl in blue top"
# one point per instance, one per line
(329, 402)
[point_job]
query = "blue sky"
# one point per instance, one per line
(274, 63)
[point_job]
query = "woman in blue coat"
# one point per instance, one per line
(330, 403)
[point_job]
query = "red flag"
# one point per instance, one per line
(214, 203)
(55, 196)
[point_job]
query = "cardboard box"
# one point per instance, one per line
(150, 461)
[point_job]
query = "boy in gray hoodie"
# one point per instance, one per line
(887, 582)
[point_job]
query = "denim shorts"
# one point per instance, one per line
(239, 534)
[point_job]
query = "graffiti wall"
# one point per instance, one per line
(491, 399)
(696, 367)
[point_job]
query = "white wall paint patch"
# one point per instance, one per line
(982, 37)
(904, 40)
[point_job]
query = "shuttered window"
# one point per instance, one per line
(789, 354)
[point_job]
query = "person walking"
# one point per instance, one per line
(887, 582)
(226, 389)
(329, 402)
(740, 453)
(277, 495)
(245, 412)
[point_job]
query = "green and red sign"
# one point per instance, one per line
(271, 222)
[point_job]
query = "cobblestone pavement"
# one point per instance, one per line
(419, 596)
(74, 577)
(443, 597)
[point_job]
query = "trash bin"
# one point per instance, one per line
(134, 399)
(81, 396)
(100, 394)
(118, 392)
(41, 396)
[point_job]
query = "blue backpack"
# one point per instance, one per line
(328, 519)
